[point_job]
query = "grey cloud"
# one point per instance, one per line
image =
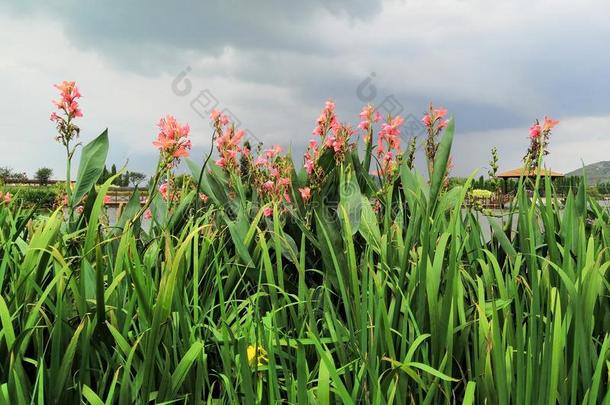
(274, 62)
(146, 35)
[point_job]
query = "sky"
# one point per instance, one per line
(271, 64)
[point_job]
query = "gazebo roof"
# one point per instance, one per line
(522, 171)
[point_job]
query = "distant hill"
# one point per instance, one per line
(596, 172)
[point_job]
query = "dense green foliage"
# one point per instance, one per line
(36, 197)
(330, 301)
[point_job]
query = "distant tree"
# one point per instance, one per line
(136, 178)
(7, 174)
(117, 181)
(43, 175)
(105, 175)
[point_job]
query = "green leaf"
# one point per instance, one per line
(130, 210)
(351, 199)
(440, 162)
(183, 368)
(92, 161)
(91, 396)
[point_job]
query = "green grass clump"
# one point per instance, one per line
(374, 291)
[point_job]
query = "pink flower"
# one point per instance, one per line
(203, 197)
(367, 116)
(267, 212)
(433, 115)
(219, 118)
(305, 193)
(148, 215)
(228, 146)
(326, 120)
(440, 112)
(163, 191)
(338, 144)
(534, 131)
(69, 93)
(367, 112)
(214, 115)
(107, 199)
(388, 144)
(549, 123)
(173, 138)
(268, 185)
(8, 198)
(426, 120)
(309, 166)
(260, 161)
(79, 210)
(271, 153)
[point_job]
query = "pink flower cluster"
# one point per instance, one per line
(218, 118)
(435, 117)
(311, 156)
(539, 141)
(388, 144)
(6, 198)
(272, 177)
(536, 129)
(326, 120)
(68, 106)
(172, 139)
(305, 193)
(228, 141)
(368, 116)
(335, 136)
(67, 103)
(338, 140)
(435, 122)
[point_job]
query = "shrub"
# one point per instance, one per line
(481, 194)
(39, 197)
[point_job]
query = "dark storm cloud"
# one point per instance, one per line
(147, 35)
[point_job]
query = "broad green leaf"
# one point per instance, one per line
(92, 161)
